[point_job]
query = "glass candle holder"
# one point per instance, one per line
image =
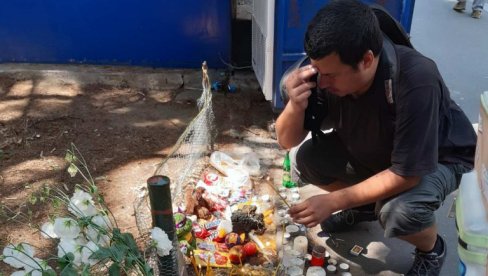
(318, 256)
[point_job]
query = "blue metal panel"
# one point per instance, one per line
(151, 32)
(291, 21)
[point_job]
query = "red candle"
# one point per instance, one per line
(318, 256)
(317, 261)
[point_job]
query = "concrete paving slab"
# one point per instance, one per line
(457, 43)
(383, 256)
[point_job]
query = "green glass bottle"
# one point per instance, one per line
(287, 181)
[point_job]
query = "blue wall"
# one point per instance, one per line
(169, 33)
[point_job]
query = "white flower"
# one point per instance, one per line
(163, 244)
(66, 228)
(18, 255)
(26, 273)
(104, 240)
(95, 236)
(87, 251)
(47, 230)
(20, 273)
(36, 265)
(81, 240)
(81, 204)
(66, 246)
(102, 221)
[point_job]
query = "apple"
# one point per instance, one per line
(250, 249)
(237, 255)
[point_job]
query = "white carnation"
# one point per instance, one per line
(36, 265)
(18, 255)
(81, 204)
(95, 236)
(20, 273)
(66, 228)
(104, 240)
(102, 221)
(163, 243)
(66, 246)
(47, 230)
(26, 273)
(87, 251)
(81, 240)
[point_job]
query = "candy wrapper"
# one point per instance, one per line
(201, 232)
(215, 259)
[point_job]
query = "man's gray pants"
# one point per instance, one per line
(407, 213)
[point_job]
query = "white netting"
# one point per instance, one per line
(186, 157)
(185, 160)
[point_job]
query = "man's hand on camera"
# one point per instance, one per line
(298, 85)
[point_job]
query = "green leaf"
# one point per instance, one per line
(46, 190)
(130, 262)
(116, 233)
(32, 199)
(49, 272)
(102, 253)
(72, 170)
(130, 242)
(93, 189)
(119, 251)
(148, 270)
(70, 157)
(56, 202)
(86, 270)
(69, 270)
(66, 260)
(114, 270)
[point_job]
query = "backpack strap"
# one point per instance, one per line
(391, 74)
(393, 34)
(391, 27)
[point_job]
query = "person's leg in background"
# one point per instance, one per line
(460, 6)
(477, 8)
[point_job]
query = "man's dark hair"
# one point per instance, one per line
(346, 27)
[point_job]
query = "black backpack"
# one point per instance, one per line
(393, 33)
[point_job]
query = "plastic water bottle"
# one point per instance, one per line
(287, 181)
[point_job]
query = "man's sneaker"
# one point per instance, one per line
(459, 7)
(345, 219)
(428, 264)
(476, 14)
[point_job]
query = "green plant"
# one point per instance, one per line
(89, 240)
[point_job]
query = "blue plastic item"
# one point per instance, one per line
(291, 20)
(126, 32)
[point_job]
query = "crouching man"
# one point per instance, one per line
(392, 156)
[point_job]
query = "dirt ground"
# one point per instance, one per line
(123, 120)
